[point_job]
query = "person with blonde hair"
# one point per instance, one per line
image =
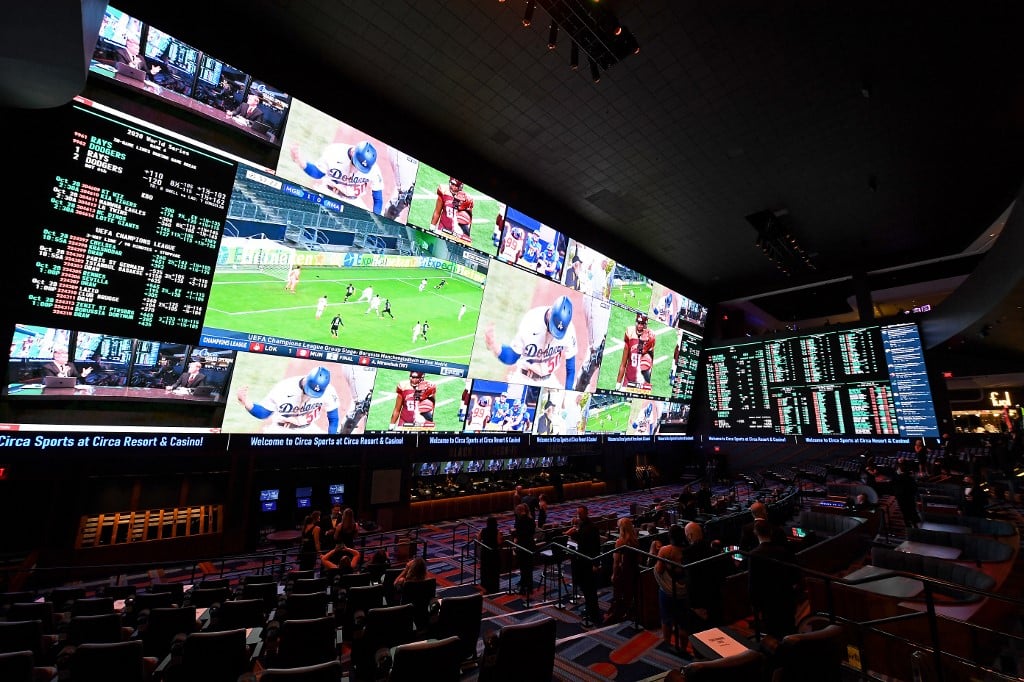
(625, 569)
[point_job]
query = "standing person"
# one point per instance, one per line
(346, 531)
(365, 295)
(572, 275)
(588, 544)
(191, 378)
(542, 510)
(637, 356)
(479, 413)
(442, 284)
(387, 309)
(546, 337)
(414, 402)
(426, 328)
(349, 290)
(671, 579)
(416, 330)
(335, 323)
(321, 306)
(347, 171)
(462, 311)
(512, 245)
(523, 533)
(921, 454)
(423, 284)
(546, 421)
(374, 305)
(309, 547)
(773, 583)
(293, 278)
(296, 403)
(904, 489)
(453, 211)
(489, 541)
(60, 367)
(625, 570)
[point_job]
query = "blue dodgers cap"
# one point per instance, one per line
(363, 156)
(560, 316)
(316, 382)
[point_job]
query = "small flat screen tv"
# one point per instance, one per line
(268, 505)
(303, 502)
(304, 491)
(336, 489)
(270, 494)
(338, 499)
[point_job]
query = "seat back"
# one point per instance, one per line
(17, 666)
(358, 601)
(92, 606)
(258, 579)
(206, 583)
(163, 625)
(748, 665)
(108, 661)
(321, 672)
(386, 627)
(63, 597)
(22, 635)
(205, 597)
(214, 655)
(312, 605)
(461, 616)
(390, 593)
(344, 581)
(508, 662)
(309, 585)
(442, 657)
(36, 610)
(239, 613)
(266, 592)
(177, 591)
(307, 641)
(151, 600)
(104, 627)
(420, 593)
(815, 656)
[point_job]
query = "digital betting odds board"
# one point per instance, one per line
(856, 382)
(129, 240)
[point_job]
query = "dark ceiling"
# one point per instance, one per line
(887, 138)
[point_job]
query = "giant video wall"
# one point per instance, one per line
(179, 293)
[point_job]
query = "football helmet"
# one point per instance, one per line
(559, 316)
(641, 320)
(363, 156)
(455, 184)
(316, 382)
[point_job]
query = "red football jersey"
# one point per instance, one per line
(415, 400)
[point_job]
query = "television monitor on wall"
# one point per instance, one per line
(303, 502)
(304, 491)
(336, 489)
(859, 380)
(268, 283)
(270, 494)
(268, 505)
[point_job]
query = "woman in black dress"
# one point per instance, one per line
(309, 548)
(490, 540)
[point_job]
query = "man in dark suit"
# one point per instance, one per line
(249, 109)
(773, 584)
(190, 378)
(60, 367)
(588, 544)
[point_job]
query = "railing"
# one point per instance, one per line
(114, 528)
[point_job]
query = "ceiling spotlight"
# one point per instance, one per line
(552, 36)
(574, 56)
(528, 15)
(594, 73)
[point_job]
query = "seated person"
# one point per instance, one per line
(191, 378)
(342, 558)
(249, 110)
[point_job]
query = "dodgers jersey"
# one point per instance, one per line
(344, 179)
(540, 354)
(287, 400)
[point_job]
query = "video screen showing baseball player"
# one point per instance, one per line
(447, 206)
(536, 332)
(561, 412)
(588, 270)
(645, 416)
(608, 413)
(272, 394)
(630, 289)
(638, 355)
(530, 244)
(332, 157)
(411, 400)
(500, 406)
(665, 305)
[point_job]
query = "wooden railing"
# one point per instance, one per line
(147, 525)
